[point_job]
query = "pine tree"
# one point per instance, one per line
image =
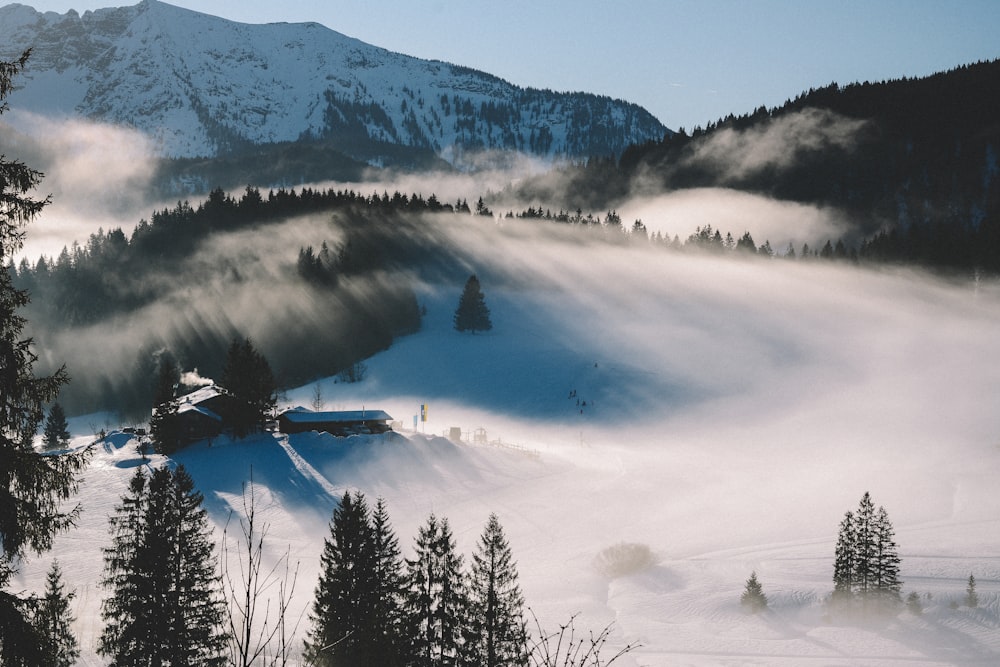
(342, 632)
(56, 433)
(864, 539)
(866, 559)
(126, 621)
(971, 597)
(886, 563)
(165, 427)
(472, 313)
(33, 487)
(753, 597)
(843, 563)
(387, 612)
(250, 379)
(497, 630)
(52, 621)
(435, 598)
(166, 606)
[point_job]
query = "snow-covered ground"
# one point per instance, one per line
(734, 411)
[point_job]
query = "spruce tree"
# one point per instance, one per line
(886, 563)
(843, 563)
(387, 610)
(56, 433)
(866, 558)
(753, 597)
(472, 313)
(166, 606)
(52, 621)
(435, 598)
(248, 376)
(126, 621)
(165, 427)
(343, 608)
(33, 487)
(971, 597)
(864, 539)
(496, 629)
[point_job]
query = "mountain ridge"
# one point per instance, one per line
(203, 86)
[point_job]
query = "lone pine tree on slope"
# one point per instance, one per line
(472, 313)
(56, 433)
(753, 597)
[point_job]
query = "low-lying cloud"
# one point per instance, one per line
(777, 145)
(97, 175)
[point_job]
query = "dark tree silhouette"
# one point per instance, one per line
(387, 601)
(866, 558)
(496, 633)
(753, 598)
(250, 379)
(166, 605)
(342, 631)
(56, 433)
(435, 598)
(472, 313)
(53, 621)
(33, 487)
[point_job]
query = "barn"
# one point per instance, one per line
(342, 423)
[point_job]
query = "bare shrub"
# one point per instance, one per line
(564, 648)
(623, 559)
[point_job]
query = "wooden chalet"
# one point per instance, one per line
(201, 414)
(343, 423)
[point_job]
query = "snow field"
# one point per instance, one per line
(713, 445)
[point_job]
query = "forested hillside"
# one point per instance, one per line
(913, 163)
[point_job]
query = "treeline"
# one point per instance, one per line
(371, 607)
(918, 176)
(115, 275)
(705, 240)
(89, 282)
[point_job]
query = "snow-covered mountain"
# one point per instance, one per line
(201, 85)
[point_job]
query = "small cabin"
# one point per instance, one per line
(342, 423)
(197, 423)
(201, 414)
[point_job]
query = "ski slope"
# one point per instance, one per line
(734, 412)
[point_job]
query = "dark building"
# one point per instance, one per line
(344, 423)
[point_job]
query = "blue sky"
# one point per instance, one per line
(687, 61)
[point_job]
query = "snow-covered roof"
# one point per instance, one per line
(191, 407)
(303, 416)
(202, 394)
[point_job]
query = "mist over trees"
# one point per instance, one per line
(912, 163)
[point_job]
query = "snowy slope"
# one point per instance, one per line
(199, 84)
(734, 412)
